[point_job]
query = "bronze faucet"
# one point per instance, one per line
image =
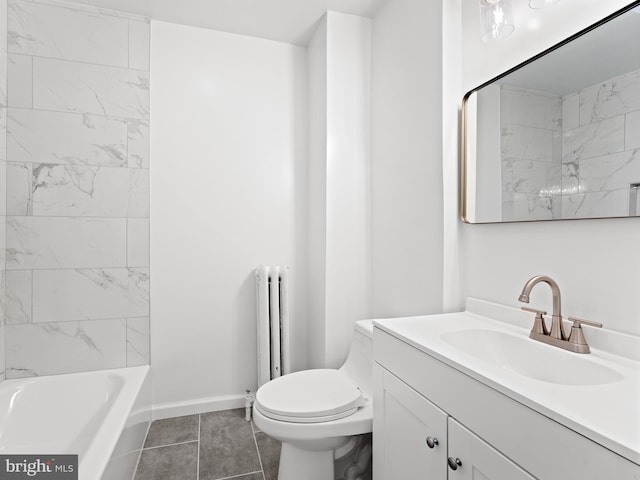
(575, 342)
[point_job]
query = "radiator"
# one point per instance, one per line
(272, 301)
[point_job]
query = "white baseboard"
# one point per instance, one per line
(200, 405)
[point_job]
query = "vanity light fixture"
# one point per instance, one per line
(538, 4)
(496, 19)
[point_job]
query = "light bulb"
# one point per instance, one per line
(496, 19)
(538, 4)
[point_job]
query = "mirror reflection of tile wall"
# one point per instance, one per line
(531, 148)
(571, 156)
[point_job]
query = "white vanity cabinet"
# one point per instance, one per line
(414, 439)
(495, 437)
(478, 460)
(410, 430)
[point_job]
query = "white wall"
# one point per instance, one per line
(596, 262)
(407, 148)
(317, 196)
(339, 227)
(348, 198)
(228, 192)
(451, 99)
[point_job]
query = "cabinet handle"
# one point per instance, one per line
(454, 463)
(432, 442)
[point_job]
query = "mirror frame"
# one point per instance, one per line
(463, 183)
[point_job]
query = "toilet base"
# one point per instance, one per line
(296, 463)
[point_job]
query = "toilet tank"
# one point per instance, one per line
(359, 363)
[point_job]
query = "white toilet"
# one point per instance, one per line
(316, 412)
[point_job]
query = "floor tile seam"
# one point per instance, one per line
(135, 471)
(198, 453)
(255, 441)
(241, 475)
(170, 444)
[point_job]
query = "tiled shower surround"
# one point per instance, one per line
(77, 199)
(531, 150)
(3, 171)
(572, 156)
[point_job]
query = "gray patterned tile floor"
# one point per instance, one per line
(209, 446)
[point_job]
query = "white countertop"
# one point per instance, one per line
(608, 414)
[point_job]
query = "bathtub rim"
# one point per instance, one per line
(114, 423)
(94, 463)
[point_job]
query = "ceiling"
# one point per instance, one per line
(290, 21)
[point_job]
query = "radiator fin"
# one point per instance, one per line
(272, 302)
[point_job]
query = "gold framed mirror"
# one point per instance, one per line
(558, 136)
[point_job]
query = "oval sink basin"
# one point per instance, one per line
(530, 358)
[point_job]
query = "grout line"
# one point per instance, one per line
(113, 319)
(31, 319)
(170, 445)
(242, 475)
(93, 10)
(127, 125)
(126, 342)
(198, 453)
(253, 433)
(83, 217)
(32, 82)
(72, 165)
(135, 470)
(624, 133)
(119, 118)
(49, 269)
(85, 62)
(126, 235)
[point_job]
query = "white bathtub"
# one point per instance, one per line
(102, 416)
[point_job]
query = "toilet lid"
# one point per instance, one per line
(309, 396)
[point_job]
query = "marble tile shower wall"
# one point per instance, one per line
(573, 156)
(3, 172)
(77, 212)
(601, 147)
(531, 151)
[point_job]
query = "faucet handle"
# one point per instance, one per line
(578, 321)
(576, 337)
(539, 326)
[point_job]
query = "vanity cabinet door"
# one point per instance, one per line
(471, 458)
(410, 433)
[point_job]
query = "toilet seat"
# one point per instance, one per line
(310, 396)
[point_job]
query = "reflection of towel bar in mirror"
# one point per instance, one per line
(558, 137)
